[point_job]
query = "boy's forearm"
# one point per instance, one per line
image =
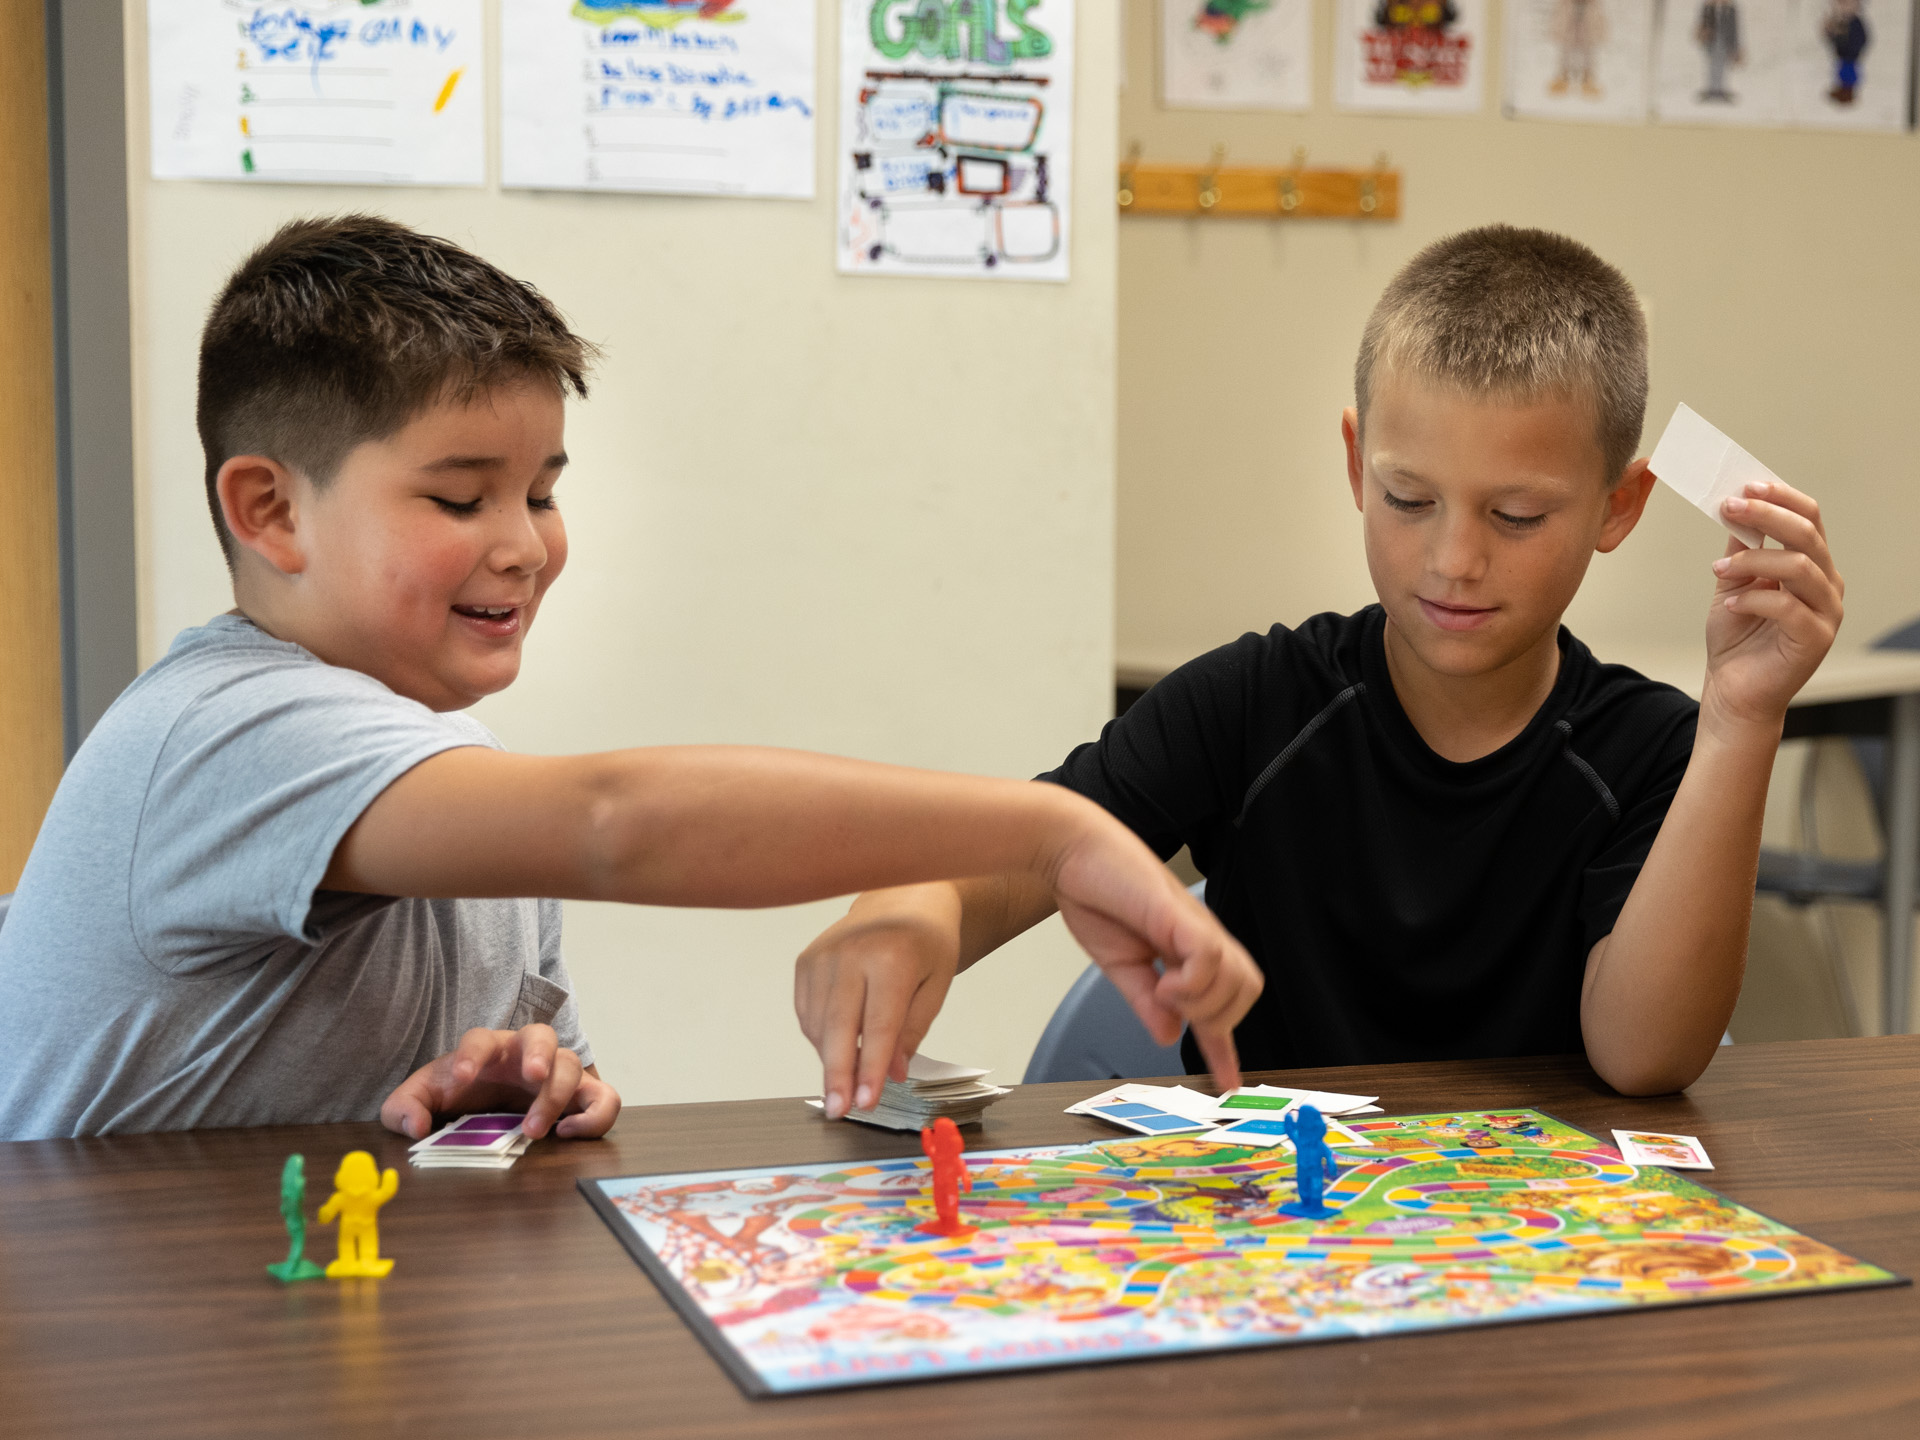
(980, 914)
(1660, 989)
(699, 825)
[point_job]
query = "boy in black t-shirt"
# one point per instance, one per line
(1442, 828)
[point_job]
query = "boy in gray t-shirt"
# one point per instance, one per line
(207, 931)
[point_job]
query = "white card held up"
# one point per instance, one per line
(1706, 467)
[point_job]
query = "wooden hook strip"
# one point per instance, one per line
(1259, 190)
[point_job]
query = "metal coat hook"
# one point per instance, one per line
(1210, 182)
(1370, 185)
(1125, 195)
(1290, 181)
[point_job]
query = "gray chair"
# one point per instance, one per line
(1094, 1035)
(1804, 876)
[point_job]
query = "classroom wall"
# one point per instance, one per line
(1778, 268)
(778, 536)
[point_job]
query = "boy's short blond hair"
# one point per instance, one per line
(1520, 314)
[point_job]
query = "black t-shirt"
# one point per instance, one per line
(1403, 906)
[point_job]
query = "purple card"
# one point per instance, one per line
(495, 1123)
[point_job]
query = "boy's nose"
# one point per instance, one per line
(519, 547)
(1456, 552)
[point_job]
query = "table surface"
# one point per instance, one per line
(133, 1298)
(1846, 674)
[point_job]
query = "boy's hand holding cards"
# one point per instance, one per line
(525, 1070)
(1775, 612)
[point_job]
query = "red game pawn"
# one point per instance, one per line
(943, 1145)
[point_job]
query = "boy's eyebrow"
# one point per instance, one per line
(555, 461)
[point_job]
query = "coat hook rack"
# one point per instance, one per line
(1290, 191)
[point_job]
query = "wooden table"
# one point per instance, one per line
(1854, 692)
(133, 1299)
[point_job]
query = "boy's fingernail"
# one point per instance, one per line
(836, 1105)
(863, 1097)
(1720, 565)
(1756, 487)
(1734, 502)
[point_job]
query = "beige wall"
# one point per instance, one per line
(1779, 268)
(774, 538)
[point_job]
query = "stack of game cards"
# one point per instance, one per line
(473, 1142)
(933, 1088)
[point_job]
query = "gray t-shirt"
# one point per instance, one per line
(169, 962)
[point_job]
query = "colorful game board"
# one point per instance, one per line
(815, 1277)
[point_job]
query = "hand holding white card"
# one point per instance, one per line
(1699, 462)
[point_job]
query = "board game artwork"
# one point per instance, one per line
(819, 1276)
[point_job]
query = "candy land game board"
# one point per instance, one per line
(815, 1277)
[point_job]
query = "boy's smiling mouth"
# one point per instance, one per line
(1454, 617)
(491, 620)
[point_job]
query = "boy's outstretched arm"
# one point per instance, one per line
(739, 827)
(1660, 989)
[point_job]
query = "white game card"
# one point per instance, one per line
(1145, 1119)
(1703, 465)
(1175, 1098)
(1269, 1132)
(1649, 1147)
(1278, 1100)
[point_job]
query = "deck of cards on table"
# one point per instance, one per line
(1649, 1147)
(1252, 1113)
(473, 1142)
(932, 1088)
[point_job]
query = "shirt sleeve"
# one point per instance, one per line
(248, 799)
(1611, 876)
(1173, 764)
(566, 1020)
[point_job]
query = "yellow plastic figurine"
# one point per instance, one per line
(359, 1190)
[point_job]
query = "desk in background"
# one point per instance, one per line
(1854, 692)
(133, 1297)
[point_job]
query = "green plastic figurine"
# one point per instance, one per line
(293, 1196)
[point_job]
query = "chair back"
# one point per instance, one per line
(1871, 750)
(1094, 1035)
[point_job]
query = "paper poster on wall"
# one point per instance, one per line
(1410, 55)
(1236, 54)
(345, 92)
(701, 97)
(1579, 59)
(1848, 63)
(956, 137)
(1722, 62)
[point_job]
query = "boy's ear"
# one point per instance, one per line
(1356, 476)
(259, 501)
(1626, 502)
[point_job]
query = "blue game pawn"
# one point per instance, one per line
(1313, 1163)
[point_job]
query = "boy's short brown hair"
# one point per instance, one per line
(1520, 314)
(339, 331)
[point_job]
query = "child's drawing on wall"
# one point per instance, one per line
(1718, 34)
(1580, 29)
(1848, 38)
